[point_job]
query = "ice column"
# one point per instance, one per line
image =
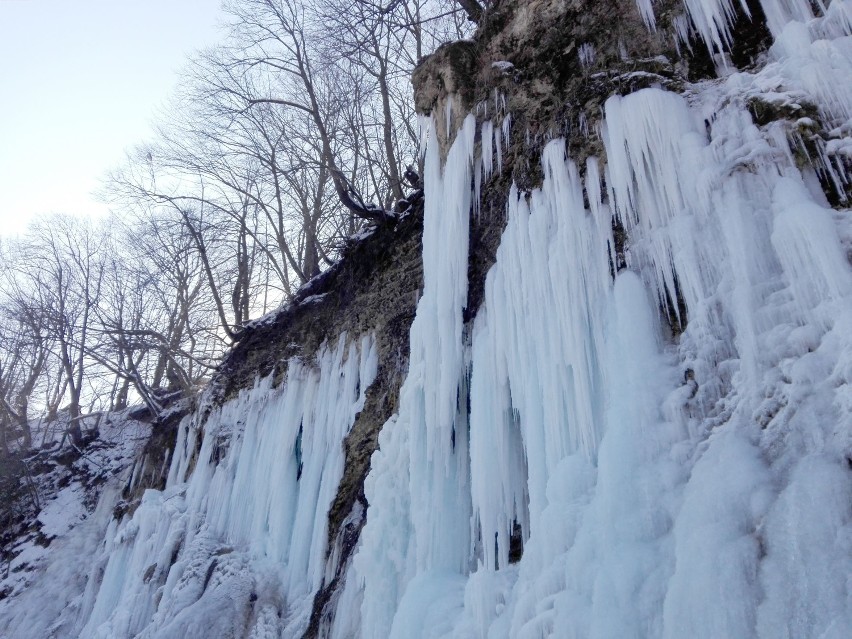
(537, 382)
(416, 542)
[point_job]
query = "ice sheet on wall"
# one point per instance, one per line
(668, 442)
(238, 549)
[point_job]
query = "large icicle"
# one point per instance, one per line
(415, 544)
(537, 380)
(250, 524)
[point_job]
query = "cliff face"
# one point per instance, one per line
(550, 66)
(596, 383)
(373, 290)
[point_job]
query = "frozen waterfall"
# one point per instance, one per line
(250, 523)
(662, 486)
(640, 438)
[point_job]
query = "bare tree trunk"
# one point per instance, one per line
(472, 8)
(120, 401)
(387, 130)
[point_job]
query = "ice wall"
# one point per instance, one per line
(416, 540)
(685, 482)
(237, 548)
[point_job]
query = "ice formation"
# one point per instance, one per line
(661, 487)
(242, 520)
(662, 426)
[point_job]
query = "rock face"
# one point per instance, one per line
(550, 66)
(373, 289)
(594, 384)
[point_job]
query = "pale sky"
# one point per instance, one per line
(80, 81)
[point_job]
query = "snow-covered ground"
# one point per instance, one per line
(44, 581)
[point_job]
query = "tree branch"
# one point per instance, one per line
(472, 8)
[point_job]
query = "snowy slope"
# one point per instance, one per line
(44, 583)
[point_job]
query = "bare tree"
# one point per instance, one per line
(57, 275)
(274, 59)
(175, 326)
(282, 142)
(23, 359)
(472, 8)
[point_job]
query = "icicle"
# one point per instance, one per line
(805, 240)
(537, 340)
(820, 68)
(837, 21)
(485, 167)
(586, 53)
(682, 33)
(424, 126)
(646, 174)
(487, 150)
(448, 115)
(415, 542)
(498, 146)
(257, 498)
(498, 464)
(646, 10)
(507, 128)
(712, 20)
(780, 12)
(600, 210)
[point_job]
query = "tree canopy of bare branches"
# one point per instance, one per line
(280, 142)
